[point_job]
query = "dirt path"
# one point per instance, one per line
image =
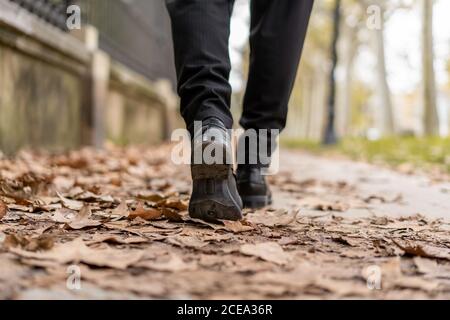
(113, 224)
(398, 194)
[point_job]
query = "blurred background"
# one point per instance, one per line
(374, 81)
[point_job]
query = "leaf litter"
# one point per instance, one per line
(120, 214)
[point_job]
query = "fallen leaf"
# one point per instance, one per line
(174, 204)
(83, 220)
(430, 268)
(150, 196)
(415, 283)
(238, 226)
(121, 211)
(173, 215)
(89, 197)
(425, 251)
(77, 251)
(146, 214)
(3, 209)
(174, 264)
(346, 241)
(109, 238)
(314, 203)
(39, 243)
(186, 242)
(268, 251)
(63, 215)
(278, 218)
(70, 204)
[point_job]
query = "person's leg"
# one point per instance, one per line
(278, 30)
(201, 30)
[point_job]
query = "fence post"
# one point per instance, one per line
(97, 86)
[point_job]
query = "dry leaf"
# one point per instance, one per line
(173, 215)
(150, 196)
(63, 215)
(70, 204)
(39, 243)
(174, 264)
(314, 203)
(425, 251)
(83, 220)
(237, 226)
(146, 214)
(76, 251)
(3, 209)
(109, 238)
(178, 204)
(187, 242)
(268, 251)
(121, 211)
(278, 218)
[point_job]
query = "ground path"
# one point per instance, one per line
(112, 224)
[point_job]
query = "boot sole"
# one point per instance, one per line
(213, 199)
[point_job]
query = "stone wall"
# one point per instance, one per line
(59, 91)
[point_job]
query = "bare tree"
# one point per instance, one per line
(431, 118)
(387, 126)
(330, 132)
(386, 123)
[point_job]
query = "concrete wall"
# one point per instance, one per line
(59, 91)
(40, 104)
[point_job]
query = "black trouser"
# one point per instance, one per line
(201, 30)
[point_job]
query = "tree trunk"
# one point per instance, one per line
(330, 134)
(344, 112)
(431, 118)
(386, 125)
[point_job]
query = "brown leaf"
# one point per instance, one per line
(83, 220)
(109, 238)
(76, 251)
(39, 243)
(425, 251)
(314, 203)
(346, 241)
(173, 215)
(121, 211)
(278, 218)
(187, 242)
(268, 251)
(431, 268)
(178, 204)
(150, 196)
(3, 209)
(70, 204)
(63, 215)
(238, 226)
(174, 264)
(146, 214)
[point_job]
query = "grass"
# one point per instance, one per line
(420, 152)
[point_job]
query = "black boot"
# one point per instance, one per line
(253, 187)
(214, 195)
(253, 162)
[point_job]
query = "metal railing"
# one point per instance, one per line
(135, 33)
(52, 11)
